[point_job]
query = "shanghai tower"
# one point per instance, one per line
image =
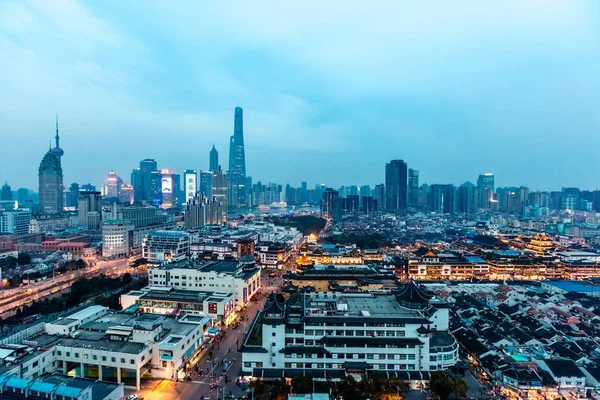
(237, 161)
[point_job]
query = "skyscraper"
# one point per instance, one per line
(443, 199)
(379, 195)
(485, 190)
(73, 196)
(219, 191)
(113, 184)
(90, 209)
(206, 184)
(214, 159)
(6, 193)
(141, 179)
(237, 159)
(396, 186)
(464, 201)
(50, 176)
(413, 188)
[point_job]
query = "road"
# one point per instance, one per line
(212, 370)
(25, 295)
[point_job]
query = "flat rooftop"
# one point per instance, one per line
(204, 266)
(189, 296)
(362, 305)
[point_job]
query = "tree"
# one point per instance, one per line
(126, 279)
(259, 387)
(23, 258)
(302, 384)
(280, 390)
(441, 384)
(460, 387)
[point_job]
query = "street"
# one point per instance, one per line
(212, 370)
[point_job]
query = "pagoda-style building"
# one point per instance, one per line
(540, 244)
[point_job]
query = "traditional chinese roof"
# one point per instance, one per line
(413, 297)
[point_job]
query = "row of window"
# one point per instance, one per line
(350, 356)
(95, 357)
(363, 324)
(320, 332)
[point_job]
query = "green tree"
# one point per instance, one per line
(126, 279)
(460, 387)
(23, 259)
(260, 389)
(280, 390)
(302, 384)
(441, 384)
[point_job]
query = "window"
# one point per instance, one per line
(132, 361)
(113, 359)
(103, 358)
(94, 357)
(85, 356)
(273, 334)
(411, 356)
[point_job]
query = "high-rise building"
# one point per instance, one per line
(443, 199)
(219, 190)
(464, 198)
(201, 211)
(169, 187)
(50, 176)
(396, 186)
(190, 177)
(379, 195)
(6, 193)
(232, 179)
(73, 195)
(206, 184)
(486, 181)
(570, 199)
(237, 160)
(113, 184)
(15, 221)
(126, 194)
(413, 188)
(23, 195)
(141, 179)
(328, 203)
(90, 209)
(214, 159)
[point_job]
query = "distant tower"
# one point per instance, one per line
(396, 186)
(57, 150)
(237, 158)
(214, 159)
(51, 184)
(6, 192)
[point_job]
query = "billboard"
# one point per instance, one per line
(167, 184)
(190, 185)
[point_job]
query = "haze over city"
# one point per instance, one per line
(331, 92)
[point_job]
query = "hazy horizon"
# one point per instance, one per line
(330, 91)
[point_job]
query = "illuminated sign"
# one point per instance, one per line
(212, 308)
(190, 185)
(167, 184)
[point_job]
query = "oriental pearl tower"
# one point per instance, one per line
(58, 152)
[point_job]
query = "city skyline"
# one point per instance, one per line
(504, 100)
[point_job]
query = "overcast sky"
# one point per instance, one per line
(331, 90)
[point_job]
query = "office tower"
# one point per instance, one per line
(570, 198)
(126, 194)
(90, 209)
(73, 196)
(50, 176)
(201, 211)
(328, 202)
(303, 192)
(219, 190)
(232, 189)
(464, 197)
(368, 205)
(23, 195)
(88, 187)
(379, 195)
(365, 190)
(237, 161)
(486, 181)
(142, 181)
(443, 199)
(206, 184)
(6, 193)
(396, 186)
(113, 185)
(413, 188)
(213, 159)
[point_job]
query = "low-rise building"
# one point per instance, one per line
(242, 278)
(404, 334)
(163, 246)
